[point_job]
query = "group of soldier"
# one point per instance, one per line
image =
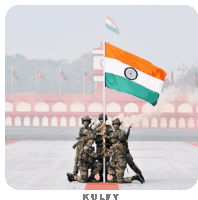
(115, 151)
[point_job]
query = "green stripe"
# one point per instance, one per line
(112, 29)
(124, 85)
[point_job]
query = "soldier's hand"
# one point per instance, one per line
(74, 146)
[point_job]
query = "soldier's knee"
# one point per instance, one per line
(84, 179)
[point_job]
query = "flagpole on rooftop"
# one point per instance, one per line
(36, 79)
(60, 81)
(83, 80)
(12, 79)
(104, 120)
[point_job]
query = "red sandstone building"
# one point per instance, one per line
(67, 109)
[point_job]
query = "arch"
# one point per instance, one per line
(173, 122)
(191, 123)
(26, 121)
(54, 121)
(113, 107)
(8, 121)
(197, 109)
(131, 107)
(72, 121)
(36, 121)
(148, 108)
(77, 107)
(44, 121)
(95, 107)
(154, 122)
(163, 122)
(182, 122)
(41, 107)
(17, 121)
(63, 121)
(8, 107)
(144, 122)
(59, 107)
(23, 107)
(185, 108)
(167, 108)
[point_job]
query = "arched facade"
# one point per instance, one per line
(77, 107)
(45, 121)
(41, 107)
(23, 107)
(154, 122)
(95, 107)
(131, 107)
(26, 121)
(185, 108)
(54, 121)
(8, 121)
(63, 121)
(167, 108)
(113, 107)
(59, 107)
(8, 107)
(72, 121)
(182, 122)
(172, 122)
(17, 121)
(36, 121)
(191, 123)
(148, 108)
(163, 122)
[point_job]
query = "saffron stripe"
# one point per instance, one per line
(124, 85)
(134, 61)
(8, 142)
(102, 186)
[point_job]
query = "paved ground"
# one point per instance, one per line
(70, 134)
(42, 164)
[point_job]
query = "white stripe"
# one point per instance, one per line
(110, 23)
(116, 67)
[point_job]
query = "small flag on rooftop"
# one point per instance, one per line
(14, 75)
(40, 74)
(110, 24)
(62, 75)
(86, 76)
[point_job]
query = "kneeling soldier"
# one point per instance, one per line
(87, 162)
(118, 162)
(85, 134)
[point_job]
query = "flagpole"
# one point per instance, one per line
(104, 120)
(60, 81)
(83, 80)
(36, 79)
(12, 79)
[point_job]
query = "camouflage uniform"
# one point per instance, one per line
(87, 162)
(124, 141)
(99, 140)
(118, 162)
(84, 135)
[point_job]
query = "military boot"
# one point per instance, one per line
(70, 177)
(114, 179)
(141, 176)
(138, 178)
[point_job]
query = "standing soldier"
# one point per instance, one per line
(118, 162)
(85, 134)
(123, 139)
(100, 130)
(87, 162)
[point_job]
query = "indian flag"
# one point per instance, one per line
(131, 74)
(111, 25)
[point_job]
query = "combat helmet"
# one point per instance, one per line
(86, 118)
(116, 121)
(100, 116)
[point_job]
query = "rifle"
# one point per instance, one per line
(128, 132)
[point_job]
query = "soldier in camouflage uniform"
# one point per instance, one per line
(118, 162)
(87, 162)
(85, 134)
(100, 130)
(124, 141)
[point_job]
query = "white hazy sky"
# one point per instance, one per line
(167, 36)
